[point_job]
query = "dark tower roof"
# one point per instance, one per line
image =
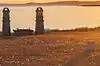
(6, 9)
(39, 9)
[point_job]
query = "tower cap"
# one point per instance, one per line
(39, 9)
(6, 9)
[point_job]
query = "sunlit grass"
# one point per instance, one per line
(49, 49)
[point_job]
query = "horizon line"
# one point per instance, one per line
(49, 2)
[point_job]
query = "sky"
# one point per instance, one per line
(39, 1)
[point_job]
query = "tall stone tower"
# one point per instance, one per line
(39, 28)
(6, 22)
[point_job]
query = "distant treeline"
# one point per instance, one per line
(81, 29)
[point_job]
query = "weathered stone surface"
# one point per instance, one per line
(6, 22)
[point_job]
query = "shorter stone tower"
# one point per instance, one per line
(39, 28)
(6, 22)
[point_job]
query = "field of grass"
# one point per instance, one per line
(55, 49)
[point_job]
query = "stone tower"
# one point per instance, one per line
(39, 28)
(6, 22)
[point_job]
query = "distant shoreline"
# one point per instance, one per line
(45, 5)
(59, 3)
(90, 5)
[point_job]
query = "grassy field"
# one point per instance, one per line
(55, 49)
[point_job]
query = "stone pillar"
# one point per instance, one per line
(39, 28)
(6, 22)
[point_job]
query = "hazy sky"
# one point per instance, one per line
(40, 1)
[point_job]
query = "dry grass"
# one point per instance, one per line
(56, 49)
